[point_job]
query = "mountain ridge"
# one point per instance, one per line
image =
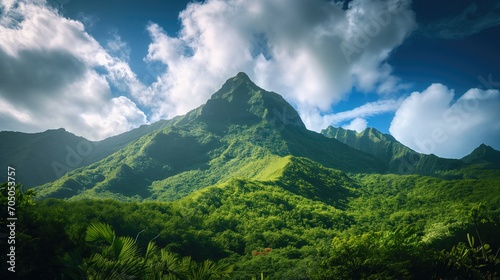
(240, 130)
(209, 145)
(400, 159)
(25, 151)
(39, 161)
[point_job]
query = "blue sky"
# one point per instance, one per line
(425, 72)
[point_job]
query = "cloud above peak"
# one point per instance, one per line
(358, 124)
(312, 52)
(54, 73)
(434, 121)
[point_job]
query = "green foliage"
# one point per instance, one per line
(309, 179)
(295, 207)
(468, 261)
(119, 258)
(39, 237)
(100, 231)
(378, 255)
(250, 193)
(392, 227)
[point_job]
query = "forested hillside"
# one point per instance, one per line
(207, 146)
(250, 193)
(309, 222)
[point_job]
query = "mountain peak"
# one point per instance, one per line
(239, 84)
(242, 75)
(240, 100)
(482, 149)
(483, 154)
(484, 146)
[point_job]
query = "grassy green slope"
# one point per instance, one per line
(437, 207)
(249, 215)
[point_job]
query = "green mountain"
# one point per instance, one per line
(40, 157)
(484, 155)
(240, 185)
(43, 157)
(399, 158)
(243, 131)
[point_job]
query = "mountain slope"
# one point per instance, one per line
(253, 188)
(399, 158)
(44, 157)
(263, 226)
(241, 131)
(484, 155)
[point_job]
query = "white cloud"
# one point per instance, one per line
(296, 48)
(311, 51)
(116, 47)
(431, 122)
(358, 124)
(117, 116)
(49, 77)
(318, 121)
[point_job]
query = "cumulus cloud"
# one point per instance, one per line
(358, 124)
(49, 77)
(433, 122)
(311, 51)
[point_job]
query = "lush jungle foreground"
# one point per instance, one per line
(383, 227)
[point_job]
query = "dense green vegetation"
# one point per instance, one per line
(365, 226)
(249, 193)
(210, 145)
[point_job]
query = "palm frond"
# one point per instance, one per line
(125, 248)
(210, 270)
(100, 231)
(151, 250)
(100, 267)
